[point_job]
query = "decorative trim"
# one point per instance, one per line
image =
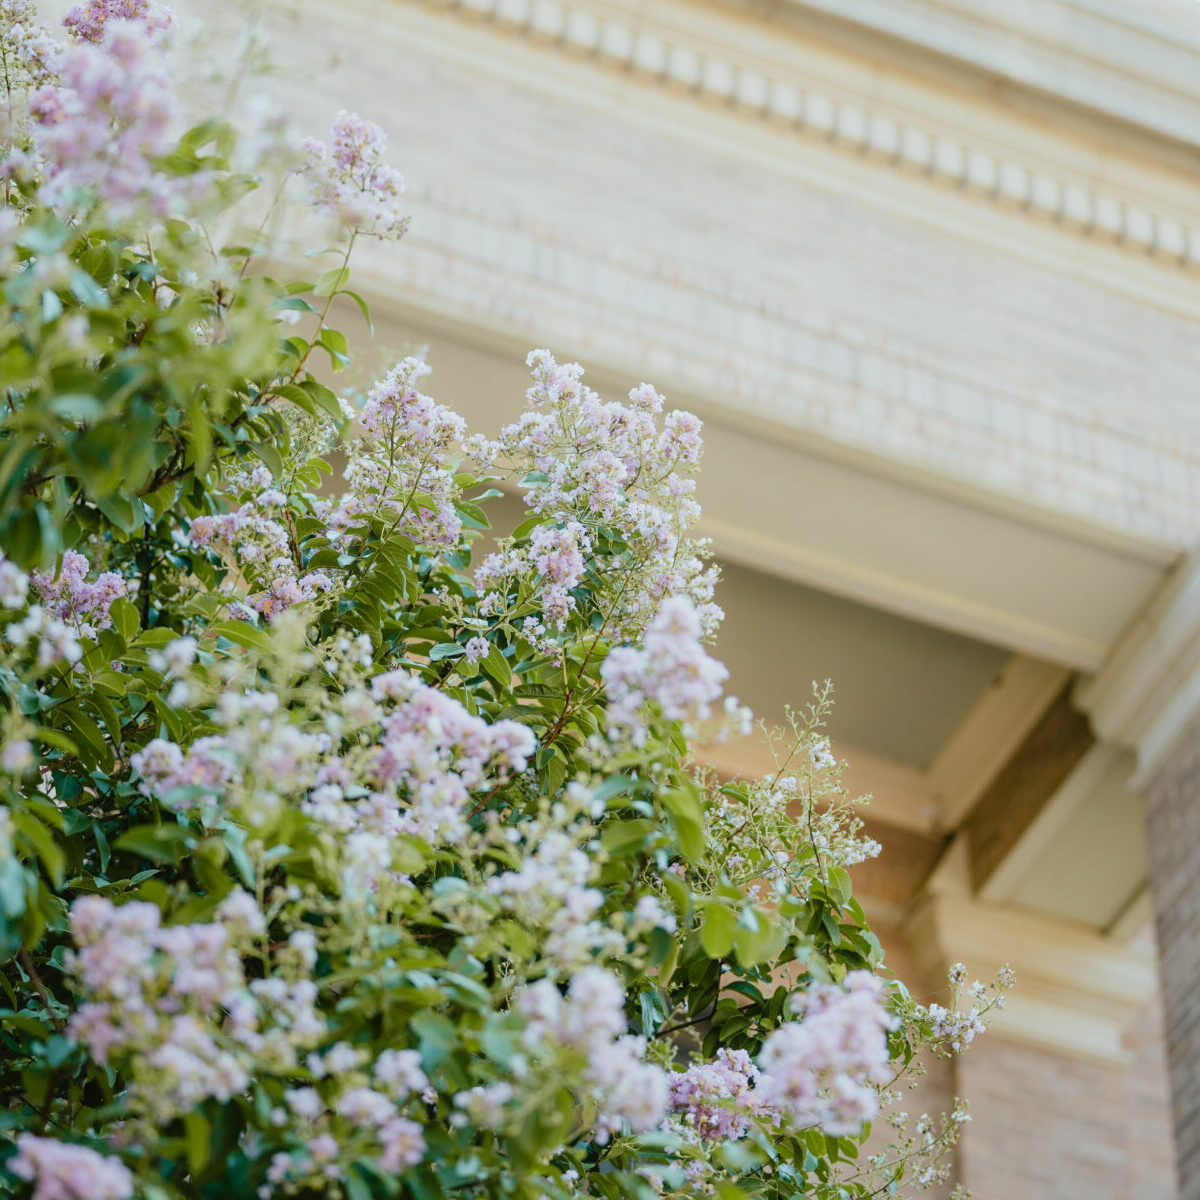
(1134, 60)
(990, 733)
(621, 43)
(917, 601)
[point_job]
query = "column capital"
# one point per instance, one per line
(1077, 989)
(1147, 692)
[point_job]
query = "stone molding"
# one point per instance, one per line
(762, 358)
(1135, 60)
(667, 58)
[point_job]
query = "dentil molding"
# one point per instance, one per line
(668, 58)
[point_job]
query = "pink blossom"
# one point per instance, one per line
(62, 1171)
(403, 1144)
(717, 1099)
(87, 21)
(69, 596)
(350, 180)
(672, 670)
(819, 1070)
(100, 131)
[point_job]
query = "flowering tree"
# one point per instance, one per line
(335, 858)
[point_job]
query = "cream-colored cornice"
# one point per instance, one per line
(1136, 61)
(935, 149)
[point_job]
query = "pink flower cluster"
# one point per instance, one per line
(590, 1020)
(87, 21)
(100, 131)
(173, 1001)
(251, 537)
(70, 597)
(555, 555)
(14, 584)
(62, 1171)
(364, 1111)
(602, 464)
(437, 752)
(157, 994)
(819, 1071)
(56, 641)
(671, 669)
(350, 180)
(183, 780)
(717, 1100)
(550, 892)
(30, 53)
(400, 471)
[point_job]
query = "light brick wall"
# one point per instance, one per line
(612, 240)
(1173, 840)
(933, 1092)
(1047, 1127)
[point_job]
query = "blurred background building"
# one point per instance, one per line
(930, 271)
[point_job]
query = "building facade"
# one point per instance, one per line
(930, 271)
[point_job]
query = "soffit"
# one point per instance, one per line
(900, 687)
(790, 279)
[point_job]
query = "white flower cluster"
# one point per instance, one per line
(590, 1021)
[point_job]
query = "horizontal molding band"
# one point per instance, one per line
(614, 41)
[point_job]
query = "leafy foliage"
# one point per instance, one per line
(323, 868)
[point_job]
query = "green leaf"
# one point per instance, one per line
(688, 815)
(125, 618)
(197, 1134)
(362, 307)
(331, 282)
(760, 944)
(158, 843)
(840, 888)
(621, 838)
(127, 513)
(717, 929)
(496, 667)
(242, 633)
(324, 398)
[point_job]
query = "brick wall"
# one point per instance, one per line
(1048, 1127)
(1173, 841)
(934, 1091)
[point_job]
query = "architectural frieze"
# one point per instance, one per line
(626, 42)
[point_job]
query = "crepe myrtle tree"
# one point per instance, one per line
(336, 858)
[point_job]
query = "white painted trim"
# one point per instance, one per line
(933, 606)
(1101, 761)
(1136, 61)
(1134, 917)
